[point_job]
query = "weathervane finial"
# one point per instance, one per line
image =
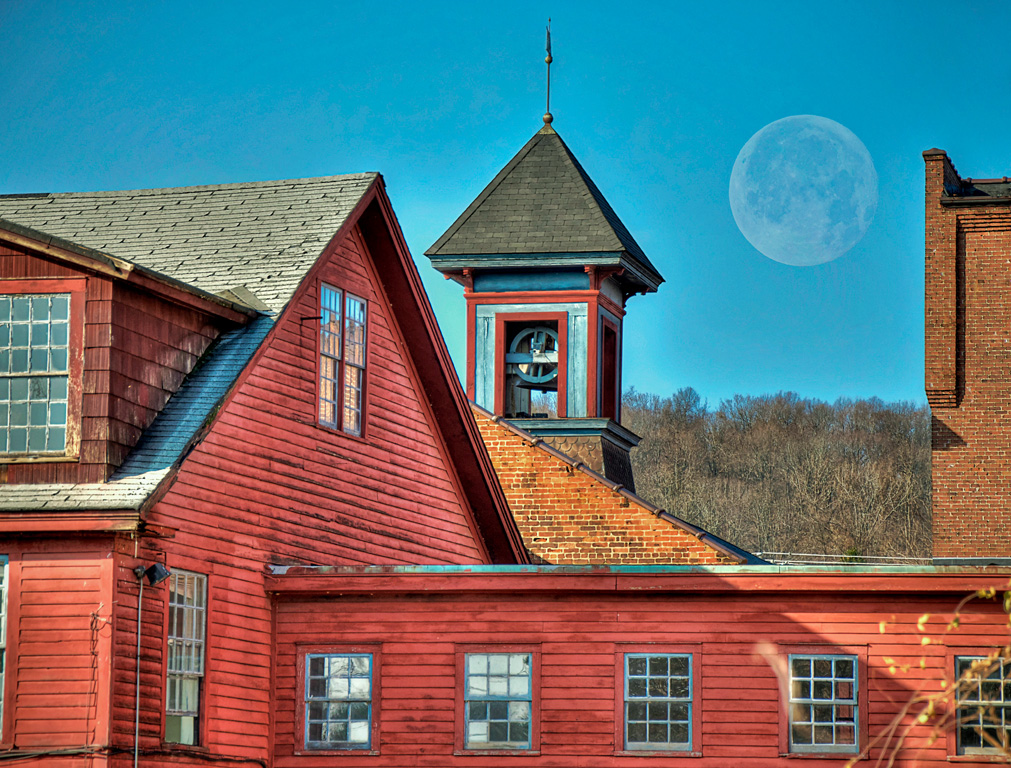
(547, 60)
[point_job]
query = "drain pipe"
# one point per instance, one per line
(155, 574)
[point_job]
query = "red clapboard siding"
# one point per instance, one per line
(580, 640)
(267, 484)
(60, 613)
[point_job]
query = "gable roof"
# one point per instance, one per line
(250, 244)
(543, 204)
(227, 239)
(591, 520)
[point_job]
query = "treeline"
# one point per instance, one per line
(780, 473)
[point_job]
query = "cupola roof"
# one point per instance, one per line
(543, 210)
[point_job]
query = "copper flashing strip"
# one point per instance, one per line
(536, 442)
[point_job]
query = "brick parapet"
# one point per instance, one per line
(569, 514)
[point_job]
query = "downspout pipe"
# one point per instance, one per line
(155, 574)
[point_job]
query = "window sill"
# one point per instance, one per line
(981, 757)
(176, 749)
(518, 752)
(820, 755)
(304, 751)
(40, 459)
(657, 753)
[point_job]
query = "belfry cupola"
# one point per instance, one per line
(547, 267)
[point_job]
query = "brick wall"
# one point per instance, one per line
(968, 363)
(570, 515)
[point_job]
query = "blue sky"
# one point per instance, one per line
(656, 100)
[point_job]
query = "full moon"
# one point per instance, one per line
(804, 190)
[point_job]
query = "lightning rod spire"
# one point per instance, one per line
(547, 60)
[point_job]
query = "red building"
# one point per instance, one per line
(255, 378)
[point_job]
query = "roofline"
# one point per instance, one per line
(721, 546)
(122, 269)
(650, 280)
(197, 188)
(424, 342)
(329, 581)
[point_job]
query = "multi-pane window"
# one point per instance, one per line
(3, 633)
(498, 701)
(34, 371)
(823, 703)
(984, 712)
(658, 701)
(338, 700)
(186, 652)
(341, 359)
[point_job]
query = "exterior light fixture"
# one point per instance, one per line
(155, 574)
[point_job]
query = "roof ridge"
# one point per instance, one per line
(364, 176)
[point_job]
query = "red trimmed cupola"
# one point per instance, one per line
(547, 267)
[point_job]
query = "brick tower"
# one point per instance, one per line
(968, 362)
(547, 267)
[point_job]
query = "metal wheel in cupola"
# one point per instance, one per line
(531, 366)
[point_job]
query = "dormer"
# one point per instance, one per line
(91, 349)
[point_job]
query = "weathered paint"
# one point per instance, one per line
(580, 622)
(485, 375)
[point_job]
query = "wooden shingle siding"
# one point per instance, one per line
(581, 636)
(138, 349)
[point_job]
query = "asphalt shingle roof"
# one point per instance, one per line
(541, 202)
(261, 237)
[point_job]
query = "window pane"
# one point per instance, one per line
(658, 701)
(186, 624)
(498, 693)
(823, 710)
(34, 340)
(338, 690)
(985, 717)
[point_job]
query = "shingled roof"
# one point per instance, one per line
(252, 243)
(543, 204)
(249, 243)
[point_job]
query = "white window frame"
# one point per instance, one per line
(187, 645)
(650, 689)
(979, 709)
(833, 704)
(340, 694)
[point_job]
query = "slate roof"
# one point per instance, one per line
(163, 444)
(228, 239)
(543, 204)
(249, 243)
